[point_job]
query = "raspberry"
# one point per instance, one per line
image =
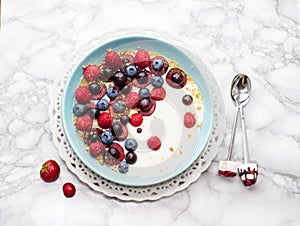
(189, 120)
(131, 99)
(84, 123)
(158, 93)
(104, 120)
(112, 59)
(91, 72)
(142, 58)
(96, 149)
(82, 94)
(136, 119)
(154, 143)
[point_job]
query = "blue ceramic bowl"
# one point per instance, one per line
(170, 52)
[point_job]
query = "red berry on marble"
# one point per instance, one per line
(50, 171)
(112, 59)
(104, 120)
(82, 94)
(136, 119)
(142, 58)
(84, 123)
(91, 72)
(154, 143)
(69, 190)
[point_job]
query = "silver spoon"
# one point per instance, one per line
(228, 168)
(240, 93)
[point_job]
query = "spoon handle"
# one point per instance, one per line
(244, 135)
(229, 156)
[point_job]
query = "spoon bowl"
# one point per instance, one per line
(241, 89)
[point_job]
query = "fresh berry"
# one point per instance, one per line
(100, 94)
(123, 167)
(91, 72)
(136, 119)
(107, 74)
(107, 137)
(189, 120)
(117, 129)
(176, 78)
(127, 59)
(119, 78)
(142, 58)
(69, 190)
(157, 81)
(139, 130)
(124, 119)
(151, 110)
(94, 88)
(131, 157)
(143, 79)
(158, 93)
(50, 171)
(131, 144)
(79, 110)
(104, 120)
(126, 89)
(82, 94)
(114, 155)
(124, 133)
(112, 92)
(154, 143)
(96, 149)
(92, 112)
(158, 65)
(131, 71)
(112, 59)
(119, 106)
(131, 99)
(144, 104)
(94, 137)
(187, 99)
(102, 105)
(84, 123)
(144, 93)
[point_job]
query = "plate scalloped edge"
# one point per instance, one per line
(131, 193)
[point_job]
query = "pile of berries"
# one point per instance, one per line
(108, 98)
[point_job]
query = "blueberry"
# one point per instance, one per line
(112, 92)
(102, 105)
(144, 93)
(157, 64)
(131, 71)
(107, 137)
(124, 119)
(157, 81)
(119, 106)
(131, 144)
(117, 129)
(80, 110)
(125, 90)
(130, 157)
(123, 167)
(94, 137)
(94, 88)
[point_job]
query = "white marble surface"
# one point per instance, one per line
(259, 37)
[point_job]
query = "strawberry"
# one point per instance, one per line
(84, 123)
(189, 120)
(104, 120)
(154, 143)
(131, 99)
(96, 149)
(82, 94)
(112, 59)
(91, 72)
(50, 171)
(142, 58)
(136, 119)
(69, 190)
(158, 93)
